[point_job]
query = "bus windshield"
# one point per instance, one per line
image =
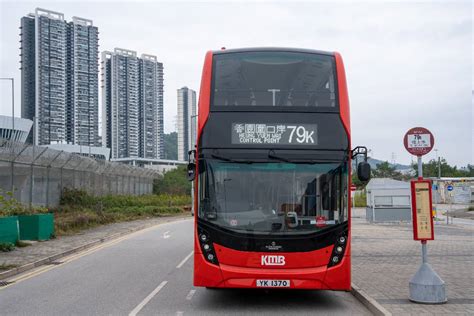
(274, 79)
(280, 197)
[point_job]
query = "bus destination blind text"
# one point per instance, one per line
(274, 133)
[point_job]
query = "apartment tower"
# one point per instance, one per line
(132, 93)
(186, 122)
(59, 72)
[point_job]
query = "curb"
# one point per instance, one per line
(32, 265)
(371, 304)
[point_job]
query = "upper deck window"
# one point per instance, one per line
(284, 79)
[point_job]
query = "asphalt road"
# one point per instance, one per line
(150, 273)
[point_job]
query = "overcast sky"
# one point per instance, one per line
(407, 64)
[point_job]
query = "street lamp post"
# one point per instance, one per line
(13, 102)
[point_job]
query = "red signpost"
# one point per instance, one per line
(425, 286)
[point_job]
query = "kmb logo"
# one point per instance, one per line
(273, 260)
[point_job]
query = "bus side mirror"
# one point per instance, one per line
(363, 171)
(191, 171)
(191, 165)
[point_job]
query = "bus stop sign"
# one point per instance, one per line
(418, 141)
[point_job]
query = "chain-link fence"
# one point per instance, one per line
(37, 175)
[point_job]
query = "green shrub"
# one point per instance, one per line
(9, 206)
(360, 199)
(76, 197)
(173, 182)
(6, 246)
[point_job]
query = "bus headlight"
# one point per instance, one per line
(338, 250)
(207, 248)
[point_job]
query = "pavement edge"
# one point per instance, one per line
(12, 272)
(369, 302)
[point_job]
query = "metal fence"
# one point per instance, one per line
(37, 175)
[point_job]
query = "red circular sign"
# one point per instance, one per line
(418, 141)
(353, 188)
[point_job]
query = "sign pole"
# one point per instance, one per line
(425, 286)
(424, 250)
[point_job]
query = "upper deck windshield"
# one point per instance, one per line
(278, 198)
(268, 78)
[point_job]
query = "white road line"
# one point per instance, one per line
(147, 299)
(184, 260)
(179, 313)
(190, 295)
(166, 235)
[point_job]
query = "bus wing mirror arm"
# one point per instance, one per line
(363, 168)
(191, 165)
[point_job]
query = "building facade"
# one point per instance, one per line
(186, 122)
(59, 70)
(16, 130)
(132, 98)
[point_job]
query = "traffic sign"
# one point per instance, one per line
(450, 187)
(418, 141)
(353, 187)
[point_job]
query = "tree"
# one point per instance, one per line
(385, 170)
(171, 146)
(430, 169)
(173, 182)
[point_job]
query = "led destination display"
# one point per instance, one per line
(274, 133)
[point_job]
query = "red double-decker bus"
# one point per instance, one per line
(271, 171)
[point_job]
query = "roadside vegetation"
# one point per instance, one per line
(173, 182)
(79, 210)
(360, 199)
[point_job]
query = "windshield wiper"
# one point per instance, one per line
(271, 154)
(229, 159)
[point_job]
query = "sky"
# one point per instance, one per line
(407, 64)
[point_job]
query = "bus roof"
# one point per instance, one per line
(271, 49)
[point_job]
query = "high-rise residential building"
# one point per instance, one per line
(132, 98)
(186, 121)
(59, 70)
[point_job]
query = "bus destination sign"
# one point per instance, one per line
(421, 210)
(274, 133)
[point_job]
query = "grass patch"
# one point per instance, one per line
(79, 210)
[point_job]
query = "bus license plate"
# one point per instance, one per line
(273, 283)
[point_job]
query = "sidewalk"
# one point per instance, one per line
(385, 257)
(40, 250)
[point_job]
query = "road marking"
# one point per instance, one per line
(166, 235)
(45, 268)
(147, 299)
(190, 295)
(184, 260)
(179, 313)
